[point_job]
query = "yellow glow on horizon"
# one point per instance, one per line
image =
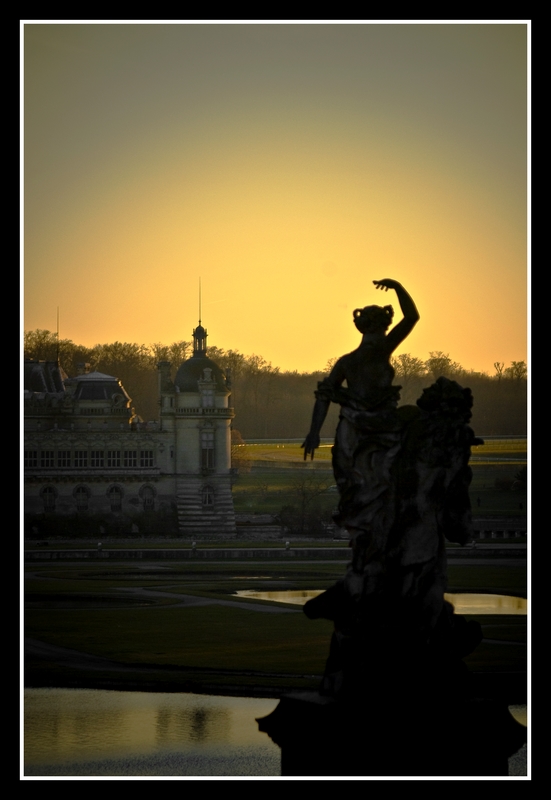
(287, 210)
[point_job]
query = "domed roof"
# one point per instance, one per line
(191, 371)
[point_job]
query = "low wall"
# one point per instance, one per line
(499, 527)
(246, 553)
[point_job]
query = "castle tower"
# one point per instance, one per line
(195, 410)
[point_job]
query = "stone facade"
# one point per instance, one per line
(92, 465)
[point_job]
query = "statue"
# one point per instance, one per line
(403, 479)
(396, 697)
(368, 433)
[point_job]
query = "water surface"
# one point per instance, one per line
(72, 732)
(462, 603)
(96, 733)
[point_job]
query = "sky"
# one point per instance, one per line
(286, 167)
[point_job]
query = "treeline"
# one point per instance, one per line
(274, 404)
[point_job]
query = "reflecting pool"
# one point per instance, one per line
(87, 732)
(97, 733)
(462, 603)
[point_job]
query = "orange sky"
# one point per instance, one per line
(287, 166)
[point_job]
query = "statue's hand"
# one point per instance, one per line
(310, 443)
(386, 284)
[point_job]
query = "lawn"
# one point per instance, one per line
(274, 470)
(89, 609)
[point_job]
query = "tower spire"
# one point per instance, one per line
(199, 334)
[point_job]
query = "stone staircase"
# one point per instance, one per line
(205, 521)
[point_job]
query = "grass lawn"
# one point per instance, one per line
(213, 637)
(275, 469)
(85, 608)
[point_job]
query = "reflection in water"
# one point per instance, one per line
(95, 732)
(487, 604)
(192, 725)
(462, 603)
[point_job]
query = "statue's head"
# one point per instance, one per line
(372, 319)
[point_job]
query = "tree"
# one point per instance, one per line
(40, 345)
(175, 353)
(517, 371)
(440, 364)
(407, 366)
(306, 515)
(43, 345)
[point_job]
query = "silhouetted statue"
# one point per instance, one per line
(396, 698)
(368, 433)
(403, 479)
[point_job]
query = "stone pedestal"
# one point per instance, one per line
(379, 737)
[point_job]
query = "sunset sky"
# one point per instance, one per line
(287, 166)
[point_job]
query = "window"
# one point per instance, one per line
(115, 497)
(207, 448)
(207, 398)
(96, 458)
(207, 496)
(113, 458)
(81, 495)
(48, 498)
(146, 458)
(64, 458)
(130, 458)
(81, 458)
(148, 497)
(31, 458)
(47, 458)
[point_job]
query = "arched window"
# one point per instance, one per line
(48, 495)
(115, 497)
(82, 496)
(207, 496)
(147, 493)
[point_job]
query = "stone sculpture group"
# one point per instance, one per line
(396, 697)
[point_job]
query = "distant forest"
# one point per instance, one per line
(272, 404)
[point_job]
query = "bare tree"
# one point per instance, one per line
(175, 353)
(517, 371)
(305, 514)
(440, 364)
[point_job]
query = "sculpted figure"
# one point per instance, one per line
(403, 477)
(402, 701)
(368, 435)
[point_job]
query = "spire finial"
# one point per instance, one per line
(199, 334)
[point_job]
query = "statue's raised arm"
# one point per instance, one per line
(367, 370)
(409, 310)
